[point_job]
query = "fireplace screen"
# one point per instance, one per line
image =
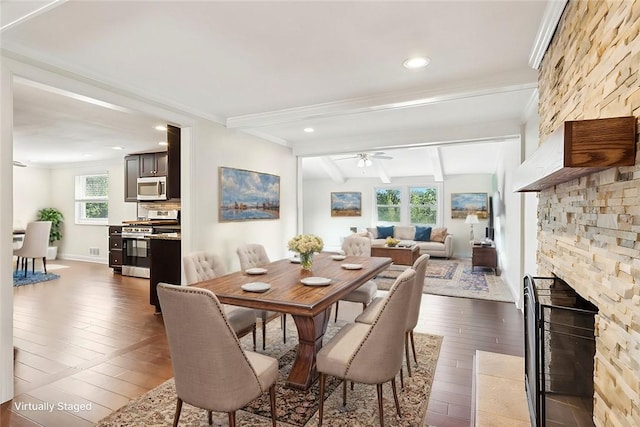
(559, 353)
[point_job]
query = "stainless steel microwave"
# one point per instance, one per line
(152, 188)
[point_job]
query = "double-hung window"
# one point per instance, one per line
(388, 204)
(409, 204)
(423, 205)
(92, 199)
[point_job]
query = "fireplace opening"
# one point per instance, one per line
(560, 348)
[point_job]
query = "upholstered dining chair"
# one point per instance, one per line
(358, 246)
(199, 266)
(36, 242)
(370, 354)
(210, 368)
(369, 315)
(254, 255)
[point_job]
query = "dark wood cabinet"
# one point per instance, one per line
(154, 164)
(173, 152)
(484, 256)
(131, 174)
(115, 248)
(166, 266)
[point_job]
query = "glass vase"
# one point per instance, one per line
(306, 260)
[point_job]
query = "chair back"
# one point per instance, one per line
(199, 266)
(36, 240)
(420, 266)
(379, 356)
(210, 368)
(252, 255)
(357, 246)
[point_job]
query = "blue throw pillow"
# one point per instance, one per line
(423, 234)
(384, 232)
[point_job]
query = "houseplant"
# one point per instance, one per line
(56, 218)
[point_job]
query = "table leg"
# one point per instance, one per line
(310, 334)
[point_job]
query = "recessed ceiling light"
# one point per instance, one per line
(117, 148)
(160, 128)
(416, 62)
(163, 143)
(309, 130)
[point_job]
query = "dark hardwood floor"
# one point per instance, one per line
(89, 342)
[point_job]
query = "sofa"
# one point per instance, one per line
(436, 242)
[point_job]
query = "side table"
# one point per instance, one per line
(484, 256)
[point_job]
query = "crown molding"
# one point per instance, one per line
(380, 102)
(32, 14)
(550, 19)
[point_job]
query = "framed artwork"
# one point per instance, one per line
(463, 204)
(346, 204)
(247, 195)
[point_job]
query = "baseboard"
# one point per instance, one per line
(84, 258)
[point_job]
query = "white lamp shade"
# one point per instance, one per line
(471, 219)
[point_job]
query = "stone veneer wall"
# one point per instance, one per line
(589, 228)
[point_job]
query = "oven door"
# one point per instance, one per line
(136, 257)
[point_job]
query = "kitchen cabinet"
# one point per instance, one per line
(154, 164)
(173, 172)
(115, 248)
(131, 174)
(166, 265)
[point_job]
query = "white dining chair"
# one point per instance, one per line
(36, 242)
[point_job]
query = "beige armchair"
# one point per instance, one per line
(36, 242)
(254, 255)
(199, 266)
(210, 368)
(358, 246)
(370, 354)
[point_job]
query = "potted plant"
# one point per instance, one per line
(55, 216)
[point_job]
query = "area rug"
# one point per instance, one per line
(294, 407)
(19, 278)
(454, 278)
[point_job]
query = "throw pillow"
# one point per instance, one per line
(423, 234)
(438, 234)
(384, 232)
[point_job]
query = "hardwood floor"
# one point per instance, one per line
(89, 342)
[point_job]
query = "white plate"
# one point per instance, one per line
(295, 260)
(256, 270)
(338, 257)
(256, 287)
(315, 281)
(352, 266)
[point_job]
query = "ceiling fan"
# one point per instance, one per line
(364, 159)
(19, 164)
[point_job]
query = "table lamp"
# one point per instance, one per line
(471, 219)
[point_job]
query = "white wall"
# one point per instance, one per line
(78, 238)
(317, 207)
(31, 192)
(530, 214)
(217, 146)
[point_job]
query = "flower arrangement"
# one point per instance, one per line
(391, 242)
(306, 245)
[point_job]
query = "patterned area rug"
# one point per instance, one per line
(20, 280)
(295, 407)
(454, 278)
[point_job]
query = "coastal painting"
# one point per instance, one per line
(463, 204)
(346, 204)
(248, 195)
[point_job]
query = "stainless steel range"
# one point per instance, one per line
(135, 250)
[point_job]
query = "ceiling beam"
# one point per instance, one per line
(436, 163)
(332, 170)
(382, 173)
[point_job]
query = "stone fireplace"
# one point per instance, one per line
(589, 228)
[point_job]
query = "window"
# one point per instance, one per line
(410, 204)
(423, 205)
(388, 201)
(92, 199)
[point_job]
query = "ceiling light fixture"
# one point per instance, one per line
(364, 160)
(117, 147)
(163, 143)
(309, 130)
(161, 128)
(416, 62)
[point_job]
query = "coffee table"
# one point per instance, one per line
(400, 255)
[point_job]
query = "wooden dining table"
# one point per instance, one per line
(310, 306)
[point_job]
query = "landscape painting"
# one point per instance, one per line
(346, 204)
(463, 204)
(247, 195)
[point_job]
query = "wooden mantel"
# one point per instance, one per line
(576, 149)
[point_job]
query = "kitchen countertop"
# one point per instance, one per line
(165, 236)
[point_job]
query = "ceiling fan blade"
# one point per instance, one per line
(382, 157)
(19, 164)
(350, 157)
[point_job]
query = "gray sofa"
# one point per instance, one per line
(406, 235)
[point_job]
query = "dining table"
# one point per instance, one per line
(278, 286)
